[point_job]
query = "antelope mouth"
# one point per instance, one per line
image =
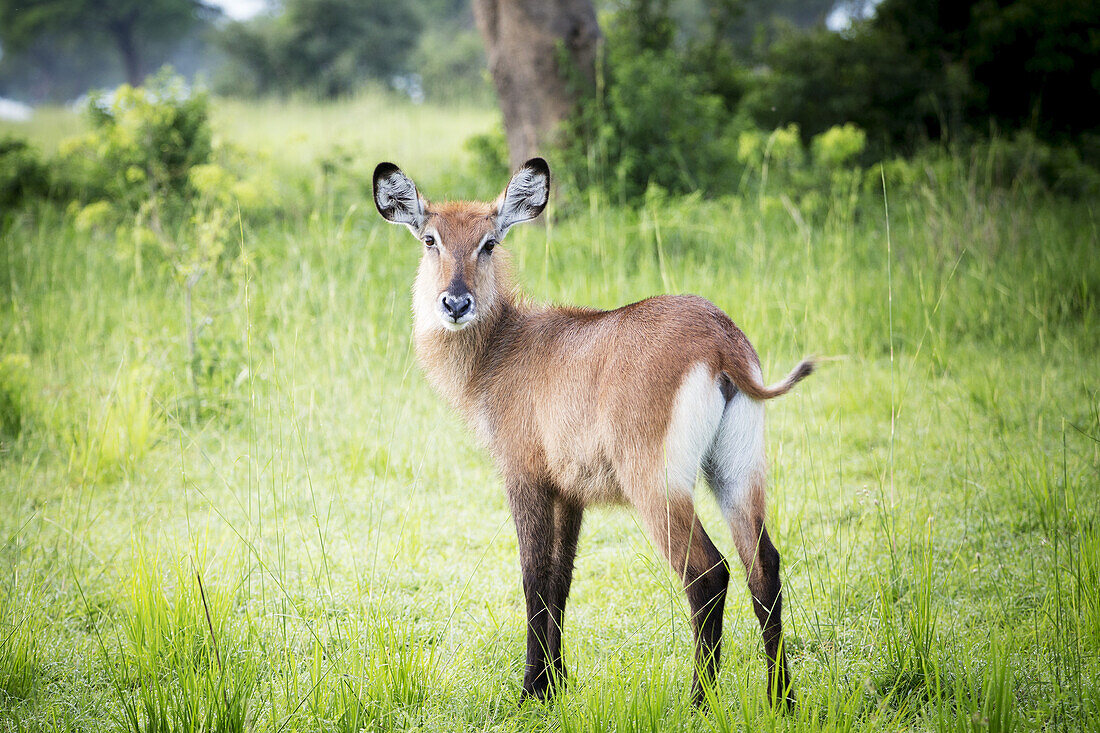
(456, 311)
(452, 324)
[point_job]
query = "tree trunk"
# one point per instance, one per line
(123, 33)
(523, 42)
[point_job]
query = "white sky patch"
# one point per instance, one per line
(13, 111)
(240, 9)
(845, 13)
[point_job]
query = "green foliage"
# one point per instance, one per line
(960, 398)
(329, 47)
(141, 32)
(490, 151)
(1023, 157)
(677, 108)
(153, 177)
(821, 79)
(1020, 161)
(658, 127)
(934, 70)
(143, 143)
(450, 61)
(155, 190)
(15, 395)
(652, 122)
(23, 173)
(839, 146)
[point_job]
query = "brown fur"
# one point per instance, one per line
(574, 404)
(600, 415)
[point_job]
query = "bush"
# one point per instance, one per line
(168, 200)
(838, 146)
(1019, 161)
(920, 71)
(152, 176)
(1023, 157)
(325, 46)
(149, 159)
(490, 153)
(657, 124)
(673, 116)
(682, 113)
(821, 79)
(144, 142)
(23, 174)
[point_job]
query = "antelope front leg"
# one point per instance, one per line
(567, 526)
(533, 511)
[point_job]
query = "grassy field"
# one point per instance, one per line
(288, 541)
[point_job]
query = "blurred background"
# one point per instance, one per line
(229, 500)
(904, 72)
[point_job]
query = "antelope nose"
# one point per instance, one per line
(457, 306)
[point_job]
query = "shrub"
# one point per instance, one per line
(96, 216)
(1023, 157)
(679, 108)
(821, 79)
(23, 174)
(838, 145)
(490, 153)
(326, 46)
(919, 71)
(168, 199)
(661, 129)
(657, 124)
(1021, 160)
(149, 167)
(785, 147)
(144, 142)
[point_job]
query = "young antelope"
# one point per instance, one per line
(580, 406)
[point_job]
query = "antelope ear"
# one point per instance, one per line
(526, 195)
(397, 199)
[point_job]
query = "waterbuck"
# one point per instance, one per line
(580, 406)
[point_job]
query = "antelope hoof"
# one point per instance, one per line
(540, 690)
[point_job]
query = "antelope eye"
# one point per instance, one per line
(487, 248)
(429, 241)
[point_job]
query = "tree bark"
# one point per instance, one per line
(523, 41)
(123, 33)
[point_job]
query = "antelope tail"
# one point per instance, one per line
(759, 392)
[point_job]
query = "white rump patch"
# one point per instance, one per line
(696, 414)
(737, 456)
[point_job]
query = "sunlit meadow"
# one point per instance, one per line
(233, 503)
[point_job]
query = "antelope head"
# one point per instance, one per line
(460, 281)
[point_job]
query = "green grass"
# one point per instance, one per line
(48, 127)
(933, 490)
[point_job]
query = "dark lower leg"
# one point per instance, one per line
(767, 599)
(533, 511)
(682, 540)
(536, 677)
(705, 586)
(567, 525)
